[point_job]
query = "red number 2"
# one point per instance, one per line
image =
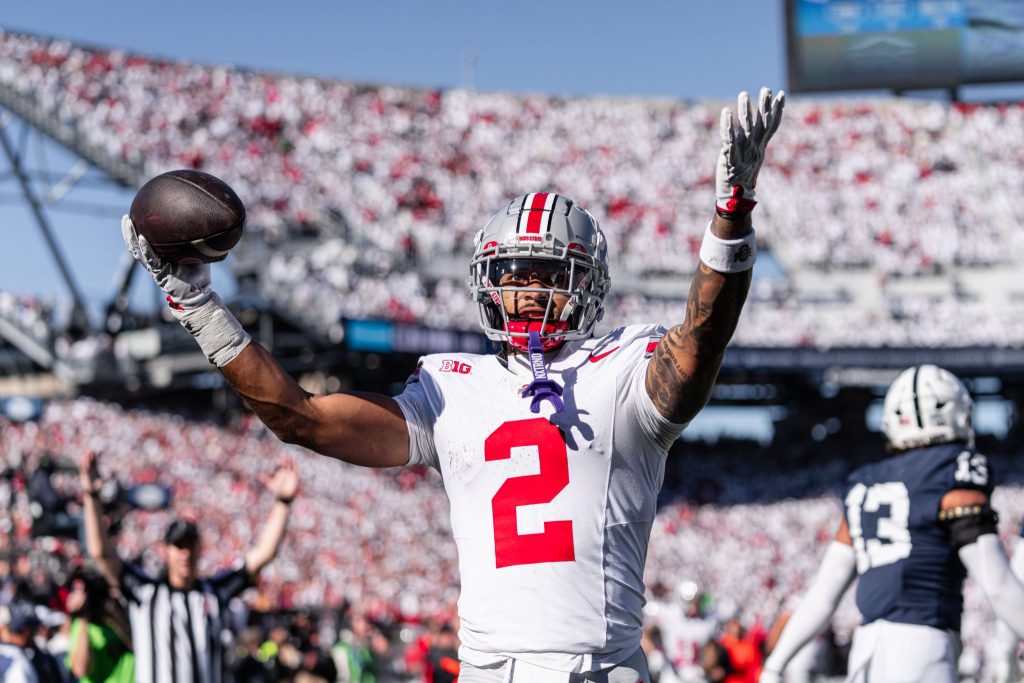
(554, 544)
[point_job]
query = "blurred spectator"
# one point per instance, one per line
(444, 656)
(714, 659)
(250, 665)
(100, 634)
(352, 654)
(20, 631)
(15, 665)
(386, 664)
(52, 635)
(418, 663)
(742, 649)
(316, 666)
(278, 654)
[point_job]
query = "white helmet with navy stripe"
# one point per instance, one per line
(547, 230)
(927, 405)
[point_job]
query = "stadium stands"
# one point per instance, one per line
(886, 217)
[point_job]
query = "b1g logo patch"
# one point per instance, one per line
(456, 366)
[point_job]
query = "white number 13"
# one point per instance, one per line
(971, 468)
(891, 540)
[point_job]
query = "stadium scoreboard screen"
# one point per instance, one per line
(903, 44)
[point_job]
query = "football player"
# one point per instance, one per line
(915, 524)
(684, 629)
(552, 452)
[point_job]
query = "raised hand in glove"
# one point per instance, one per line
(743, 146)
(196, 306)
(187, 286)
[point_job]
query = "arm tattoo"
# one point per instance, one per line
(682, 372)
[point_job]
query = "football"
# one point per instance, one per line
(188, 216)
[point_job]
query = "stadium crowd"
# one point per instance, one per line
(368, 556)
(393, 181)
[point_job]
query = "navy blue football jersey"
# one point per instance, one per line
(908, 571)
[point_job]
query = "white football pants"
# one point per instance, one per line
(888, 652)
(633, 670)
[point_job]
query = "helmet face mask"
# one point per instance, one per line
(927, 405)
(544, 248)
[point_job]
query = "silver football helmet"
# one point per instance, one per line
(927, 405)
(540, 238)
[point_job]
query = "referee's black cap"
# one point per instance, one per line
(182, 533)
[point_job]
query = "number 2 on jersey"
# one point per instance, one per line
(554, 544)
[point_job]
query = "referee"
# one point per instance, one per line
(177, 617)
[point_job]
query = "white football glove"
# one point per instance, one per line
(769, 676)
(743, 145)
(193, 302)
(186, 286)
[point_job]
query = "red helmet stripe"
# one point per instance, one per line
(537, 210)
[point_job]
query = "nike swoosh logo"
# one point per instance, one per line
(594, 359)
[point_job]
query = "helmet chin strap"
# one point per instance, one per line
(541, 388)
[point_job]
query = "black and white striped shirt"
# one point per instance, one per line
(177, 633)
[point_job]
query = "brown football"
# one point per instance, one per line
(188, 216)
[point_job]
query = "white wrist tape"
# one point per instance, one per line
(219, 334)
(728, 256)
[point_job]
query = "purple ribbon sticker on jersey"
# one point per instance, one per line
(541, 388)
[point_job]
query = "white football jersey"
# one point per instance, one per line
(682, 638)
(551, 512)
